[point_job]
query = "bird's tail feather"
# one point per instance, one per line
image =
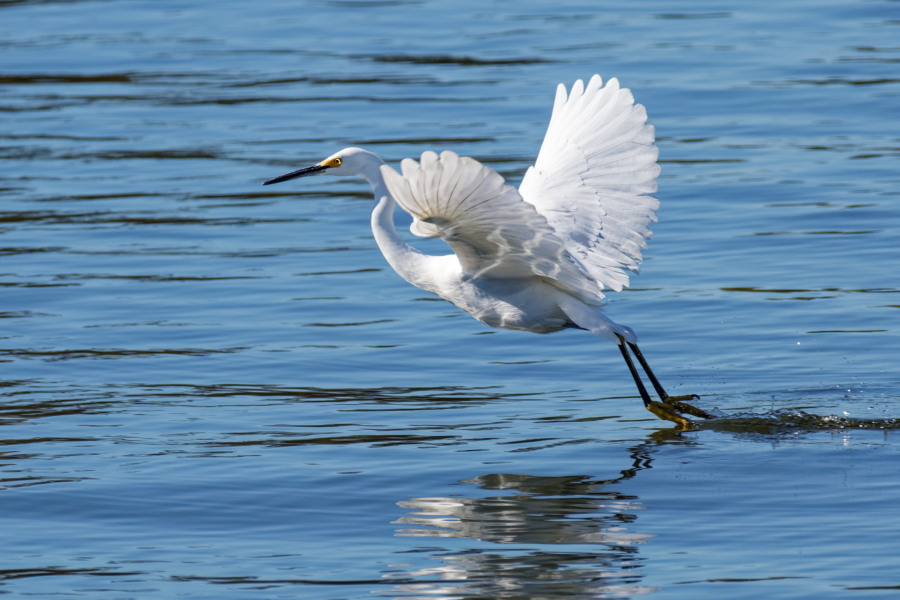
(590, 318)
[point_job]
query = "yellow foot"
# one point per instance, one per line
(671, 409)
(667, 413)
(677, 402)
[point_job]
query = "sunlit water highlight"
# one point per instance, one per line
(217, 390)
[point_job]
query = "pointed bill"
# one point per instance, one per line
(304, 172)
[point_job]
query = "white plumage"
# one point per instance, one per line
(590, 180)
(494, 234)
(536, 258)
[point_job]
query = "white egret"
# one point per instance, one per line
(537, 258)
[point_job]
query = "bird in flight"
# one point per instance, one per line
(537, 258)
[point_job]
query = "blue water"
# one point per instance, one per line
(213, 389)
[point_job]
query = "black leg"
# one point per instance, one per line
(656, 384)
(637, 378)
(671, 406)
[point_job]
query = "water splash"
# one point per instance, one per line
(789, 421)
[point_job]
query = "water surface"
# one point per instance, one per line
(213, 389)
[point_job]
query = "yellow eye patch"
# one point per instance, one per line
(332, 162)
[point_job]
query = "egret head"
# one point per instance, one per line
(349, 161)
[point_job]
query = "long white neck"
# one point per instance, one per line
(403, 258)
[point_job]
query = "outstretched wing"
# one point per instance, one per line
(591, 177)
(492, 231)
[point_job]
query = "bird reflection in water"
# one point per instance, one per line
(538, 514)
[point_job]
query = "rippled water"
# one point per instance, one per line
(213, 389)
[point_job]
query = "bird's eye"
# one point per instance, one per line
(337, 162)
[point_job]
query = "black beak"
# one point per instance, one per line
(313, 170)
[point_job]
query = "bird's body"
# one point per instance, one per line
(522, 303)
(537, 258)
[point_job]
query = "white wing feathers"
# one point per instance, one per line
(580, 217)
(594, 168)
(492, 231)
